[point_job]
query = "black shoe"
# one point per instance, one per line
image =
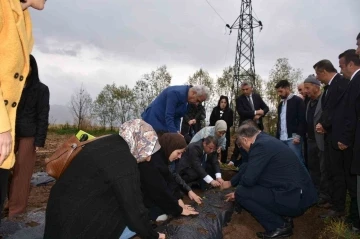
(333, 214)
(285, 231)
(289, 221)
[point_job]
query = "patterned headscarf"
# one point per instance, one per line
(141, 138)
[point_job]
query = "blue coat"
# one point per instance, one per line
(165, 112)
(272, 164)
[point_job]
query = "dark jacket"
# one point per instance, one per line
(167, 109)
(98, 195)
(350, 135)
(245, 111)
(272, 164)
(295, 117)
(32, 117)
(331, 99)
(194, 112)
(158, 185)
(227, 116)
(192, 157)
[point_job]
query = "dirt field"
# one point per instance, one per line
(241, 226)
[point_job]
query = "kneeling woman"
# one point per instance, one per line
(160, 190)
(99, 195)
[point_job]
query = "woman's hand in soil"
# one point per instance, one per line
(187, 212)
(194, 196)
(230, 197)
(161, 236)
(225, 185)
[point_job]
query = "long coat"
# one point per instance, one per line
(15, 47)
(319, 138)
(227, 116)
(98, 195)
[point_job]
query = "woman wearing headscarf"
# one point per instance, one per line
(160, 190)
(172, 144)
(218, 131)
(223, 112)
(99, 194)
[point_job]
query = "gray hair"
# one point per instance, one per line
(245, 83)
(248, 129)
(202, 90)
(210, 139)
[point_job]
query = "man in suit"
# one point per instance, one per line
(350, 136)
(291, 119)
(199, 162)
(358, 44)
(275, 186)
(315, 141)
(250, 105)
(330, 123)
(165, 112)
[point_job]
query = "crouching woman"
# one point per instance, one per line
(99, 195)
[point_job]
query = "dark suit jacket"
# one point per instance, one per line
(192, 159)
(351, 129)
(295, 117)
(332, 99)
(245, 111)
(272, 164)
(228, 117)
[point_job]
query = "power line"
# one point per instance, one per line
(215, 11)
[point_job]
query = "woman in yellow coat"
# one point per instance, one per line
(16, 43)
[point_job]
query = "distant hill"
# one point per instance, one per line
(60, 114)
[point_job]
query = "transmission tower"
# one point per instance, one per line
(244, 68)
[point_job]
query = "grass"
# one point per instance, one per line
(68, 129)
(337, 230)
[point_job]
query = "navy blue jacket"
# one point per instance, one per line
(165, 112)
(272, 164)
(295, 117)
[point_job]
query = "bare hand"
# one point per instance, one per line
(231, 163)
(296, 141)
(5, 145)
(342, 146)
(194, 196)
(230, 197)
(260, 112)
(319, 129)
(215, 183)
(225, 185)
(220, 180)
(37, 149)
(161, 236)
(218, 150)
(181, 203)
(187, 212)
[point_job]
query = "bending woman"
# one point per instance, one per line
(99, 195)
(160, 191)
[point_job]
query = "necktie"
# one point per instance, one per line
(251, 103)
(324, 95)
(203, 161)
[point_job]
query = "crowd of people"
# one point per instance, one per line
(118, 185)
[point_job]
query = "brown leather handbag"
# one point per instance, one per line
(62, 157)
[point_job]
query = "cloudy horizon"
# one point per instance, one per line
(105, 41)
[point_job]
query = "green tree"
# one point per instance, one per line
(202, 77)
(282, 71)
(125, 102)
(149, 87)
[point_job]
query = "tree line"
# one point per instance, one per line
(116, 104)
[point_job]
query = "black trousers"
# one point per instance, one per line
(341, 178)
(260, 202)
(317, 170)
(190, 175)
(4, 177)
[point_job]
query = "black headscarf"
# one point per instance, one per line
(33, 77)
(170, 142)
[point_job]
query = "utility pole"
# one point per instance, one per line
(244, 68)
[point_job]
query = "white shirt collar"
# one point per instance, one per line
(332, 79)
(354, 74)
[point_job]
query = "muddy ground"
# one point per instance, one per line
(242, 225)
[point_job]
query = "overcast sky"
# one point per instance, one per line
(98, 42)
